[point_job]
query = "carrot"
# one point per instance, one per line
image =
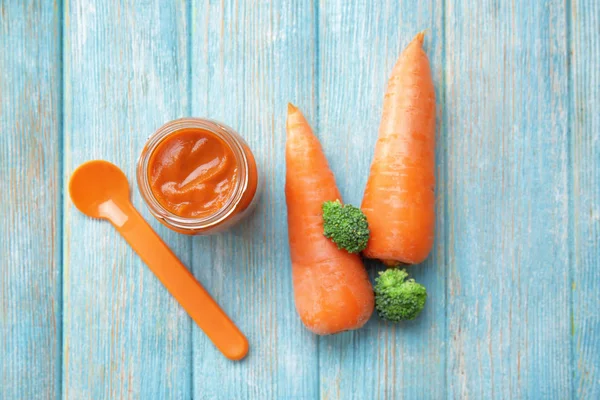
(331, 288)
(399, 196)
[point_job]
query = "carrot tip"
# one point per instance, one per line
(292, 108)
(420, 37)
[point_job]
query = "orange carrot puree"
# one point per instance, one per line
(193, 173)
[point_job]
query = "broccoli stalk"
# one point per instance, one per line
(397, 298)
(346, 226)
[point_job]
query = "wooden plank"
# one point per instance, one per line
(248, 60)
(30, 218)
(585, 193)
(508, 249)
(359, 42)
(126, 73)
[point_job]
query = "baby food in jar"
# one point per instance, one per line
(197, 176)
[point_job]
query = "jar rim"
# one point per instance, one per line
(229, 136)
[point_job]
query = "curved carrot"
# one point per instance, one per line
(399, 198)
(331, 287)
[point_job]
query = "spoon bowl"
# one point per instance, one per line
(95, 183)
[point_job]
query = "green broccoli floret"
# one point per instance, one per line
(397, 298)
(346, 226)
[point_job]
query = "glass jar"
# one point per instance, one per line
(241, 199)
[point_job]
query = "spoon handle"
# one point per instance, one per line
(180, 283)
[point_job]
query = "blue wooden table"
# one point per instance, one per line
(514, 279)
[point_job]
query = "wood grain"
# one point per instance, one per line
(248, 60)
(513, 279)
(585, 195)
(126, 73)
(359, 43)
(508, 199)
(30, 196)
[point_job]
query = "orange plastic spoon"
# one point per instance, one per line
(99, 189)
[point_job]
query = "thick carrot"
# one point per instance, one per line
(331, 287)
(399, 199)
